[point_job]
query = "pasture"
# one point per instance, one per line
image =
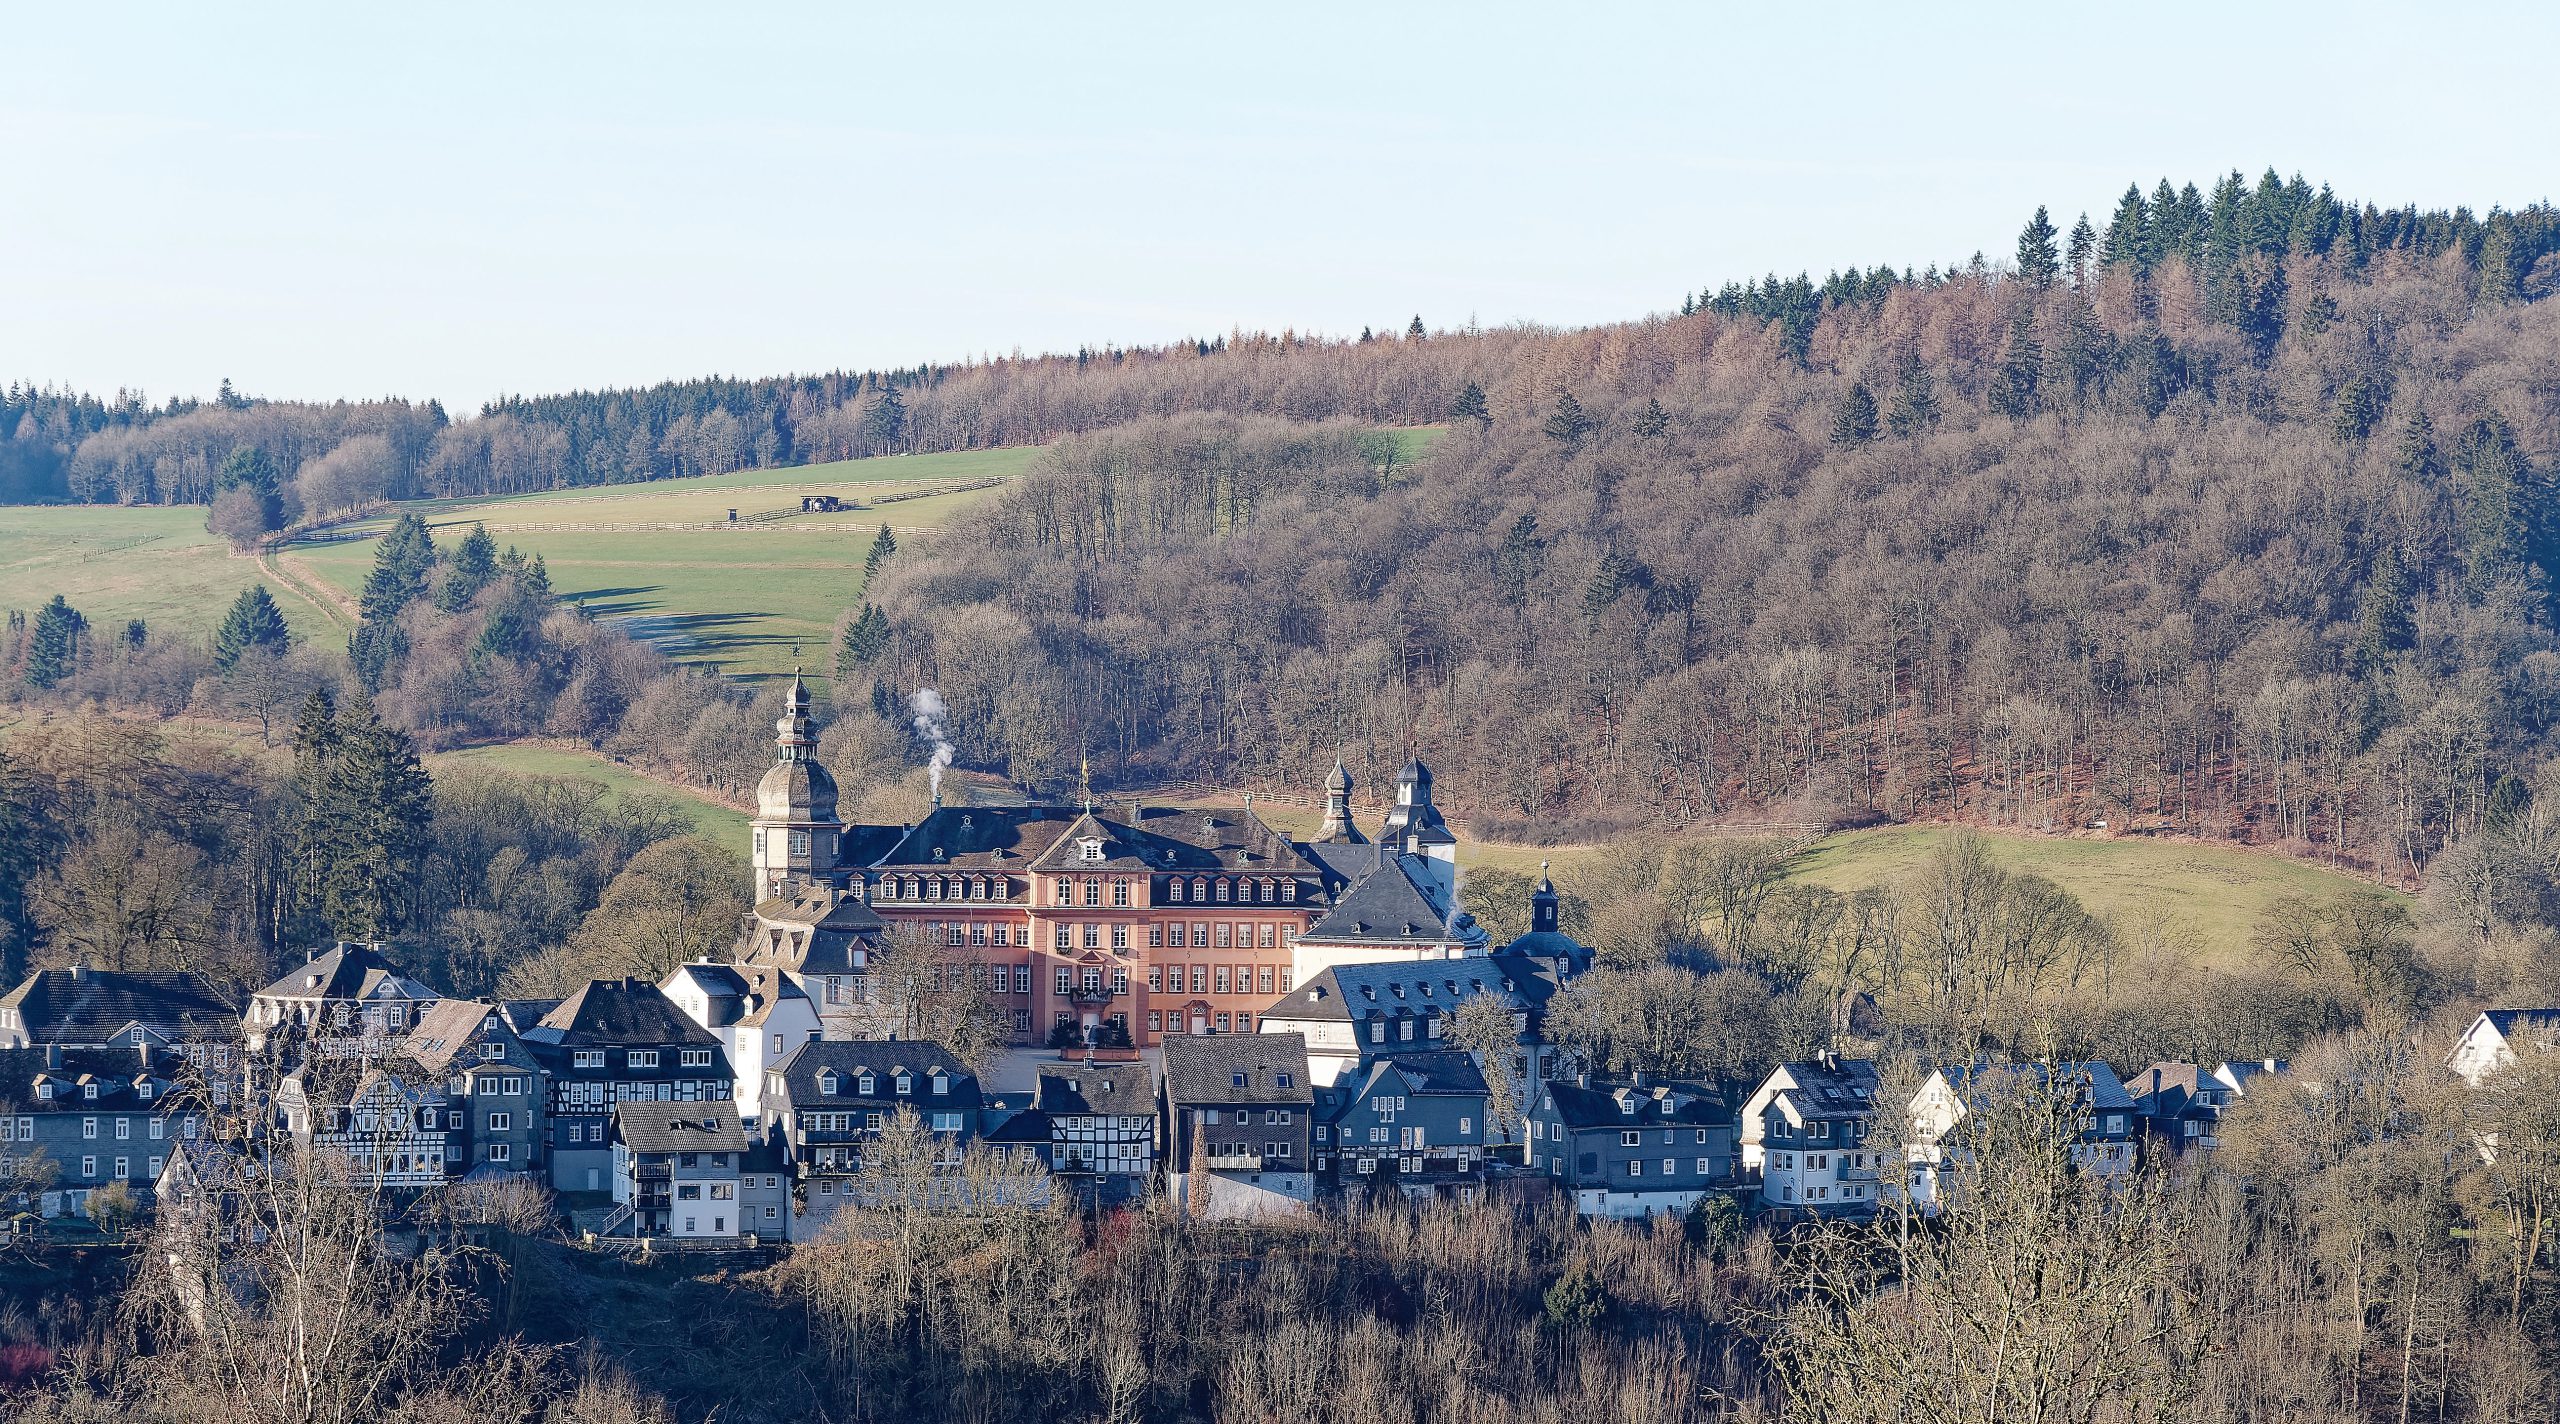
(724, 824)
(115, 563)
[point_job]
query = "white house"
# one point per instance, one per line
(677, 1170)
(2105, 1136)
(2489, 1044)
(1804, 1133)
(758, 1011)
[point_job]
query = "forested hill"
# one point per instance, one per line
(2232, 518)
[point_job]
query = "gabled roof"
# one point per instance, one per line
(445, 1037)
(1350, 992)
(2510, 1022)
(847, 1061)
(1392, 905)
(1602, 1103)
(679, 1127)
(1097, 1088)
(350, 971)
(1206, 1068)
(739, 994)
(1444, 1072)
(114, 1071)
(2106, 1091)
(616, 1012)
(84, 1007)
(1835, 1090)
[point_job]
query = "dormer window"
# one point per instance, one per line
(865, 1086)
(1288, 892)
(142, 1090)
(906, 1085)
(1627, 1107)
(44, 1092)
(1239, 1079)
(941, 1084)
(827, 1084)
(1222, 892)
(1089, 848)
(89, 1090)
(1281, 1080)
(1173, 891)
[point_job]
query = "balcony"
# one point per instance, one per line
(1095, 994)
(652, 1171)
(1232, 1160)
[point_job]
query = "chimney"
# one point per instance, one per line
(53, 1056)
(1643, 1079)
(1582, 1080)
(79, 972)
(142, 1050)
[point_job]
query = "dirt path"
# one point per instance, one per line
(338, 609)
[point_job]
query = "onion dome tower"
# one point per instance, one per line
(796, 832)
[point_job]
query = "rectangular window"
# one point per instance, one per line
(1265, 977)
(1093, 936)
(1004, 936)
(641, 1057)
(1181, 940)
(1266, 935)
(978, 935)
(1226, 935)
(1222, 978)
(1093, 893)
(1199, 979)
(1155, 978)
(1199, 935)
(1120, 894)
(1155, 1021)
(1704, 1167)
(696, 1057)
(1065, 938)
(587, 1058)
(124, 1129)
(1119, 936)
(1225, 1023)
(500, 1122)
(1635, 1168)
(1155, 937)
(1022, 978)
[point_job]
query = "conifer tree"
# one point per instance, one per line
(364, 805)
(1653, 422)
(883, 544)
(253, 622)
(2083, 250)
(473, 564)
(2417, 455)
(1520, 560)
(401, 564)
(1414, 332)
(2013, 390)
(1853, 418)
(1915, 398)
(1568, 425)
(53, 645)
(2494, 497)
(247, 465)
(2358, 407)
(865, 638)
(886, 421)
(2499, 279)
(2038, 263)
(2382, 614)
(2128, 241)
(1470, 405)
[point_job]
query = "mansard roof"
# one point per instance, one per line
(619, 1011)
(1392, 905)
(977, 838)
(1826, 1088)
(1132, 838)
(84, 1007)
(813, 932)
(1596, 1103)
(347, 972)
(113, 1071)
(1348, 992)
(848, 1060)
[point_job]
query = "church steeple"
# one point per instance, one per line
(1543, 903)
(791, 736)
(795, 831)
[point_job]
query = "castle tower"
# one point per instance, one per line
(1414, 827)
(1338, 825)
(795, 830)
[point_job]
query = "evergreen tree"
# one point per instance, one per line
(2038, 263)
(2129, 232)
(1520, 560)
(2083, 251)
(883, 544)
(865, 638)
(136, 633)
(1470, 405)
(1610, 580)
(886, 421)
(1568, 425)
(471, 568)
(2500, 279)
(2382, 614)
(253, 622)
(1853, 417)
(364, 804)
(401, 564)
(2417, 456)
(2358, 407)
(1915, 398)
(2494, 499)
(2013, 390)
(537, 577)
(514, 626)
(1414, 332)
(1653, 422)
(53, 647)
(248, 465)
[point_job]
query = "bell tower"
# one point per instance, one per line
(795, 833)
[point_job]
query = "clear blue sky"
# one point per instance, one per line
(352, 200)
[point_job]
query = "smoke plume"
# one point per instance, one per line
(932, 721)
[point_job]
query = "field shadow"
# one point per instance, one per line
(711, 635)
(613, 602)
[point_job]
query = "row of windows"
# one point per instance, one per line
(1159, 1021)
(1226, 979)
(89, 1128)
(954, 887)
(639, 1057)
(89, 1168)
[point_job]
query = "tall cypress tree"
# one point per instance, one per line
(2038, 262)
(253, 622)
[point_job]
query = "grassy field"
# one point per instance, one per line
(721, 823)
(155, 563)
(756, 598)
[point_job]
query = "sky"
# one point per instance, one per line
(459, 202)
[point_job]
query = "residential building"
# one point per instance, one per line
(1245, 1103)
(2103, 1145)
(349, 1002)
(1414, 1121)
(1100, 1120)
(830, 1100)
(1804, 1134)
(81, 1007)
(73, 1121)
(389, 1126)
(1633, 1147)
(758, 1011)
(612, 1042)
(495, 1095)
(2178, 1107)
(764, 1189)
(677, 1169)
(1400, 908)
(2490, 1043)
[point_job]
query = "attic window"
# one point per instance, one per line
(1627, 1106)
(1239, 1078)
(866, 1085)
(827, 1083)
(1089, 848)
(941, 1085)
(906, 1085)
(1280, 1080)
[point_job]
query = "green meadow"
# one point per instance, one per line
(114, 564)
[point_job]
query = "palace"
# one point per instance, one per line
(1090, 923)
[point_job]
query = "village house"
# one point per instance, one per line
(2490, 1043)
(388, 1126)
(757, 1011)
(350, 1002)
(614, 1041)
(1236, 1124)
(1804, 1134)
(495, 1093)
(77, 1121)
(1634, 1147)
(1413, 1121)
(2102, 1134)
(830, 1100)
(677, 1170)
(81, 1007)
(1100, 1119)
(2178, 1107)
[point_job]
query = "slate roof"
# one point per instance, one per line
(2509, 1022)
(1602, 1104)
(1203, 1068)
(1351, 992)
(1097, 1088)
(350, 971)
(741, 994)
(445, 1031)
(89, 1007)
(679, 1127)
(815, 932)
(1450, 1072)
(615, 1012)
(979, 837)
(1388, 905)
(1844, 1089)
(849, 1060)
(113, 1070)
(2106, 1091)
(1027, 1126)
